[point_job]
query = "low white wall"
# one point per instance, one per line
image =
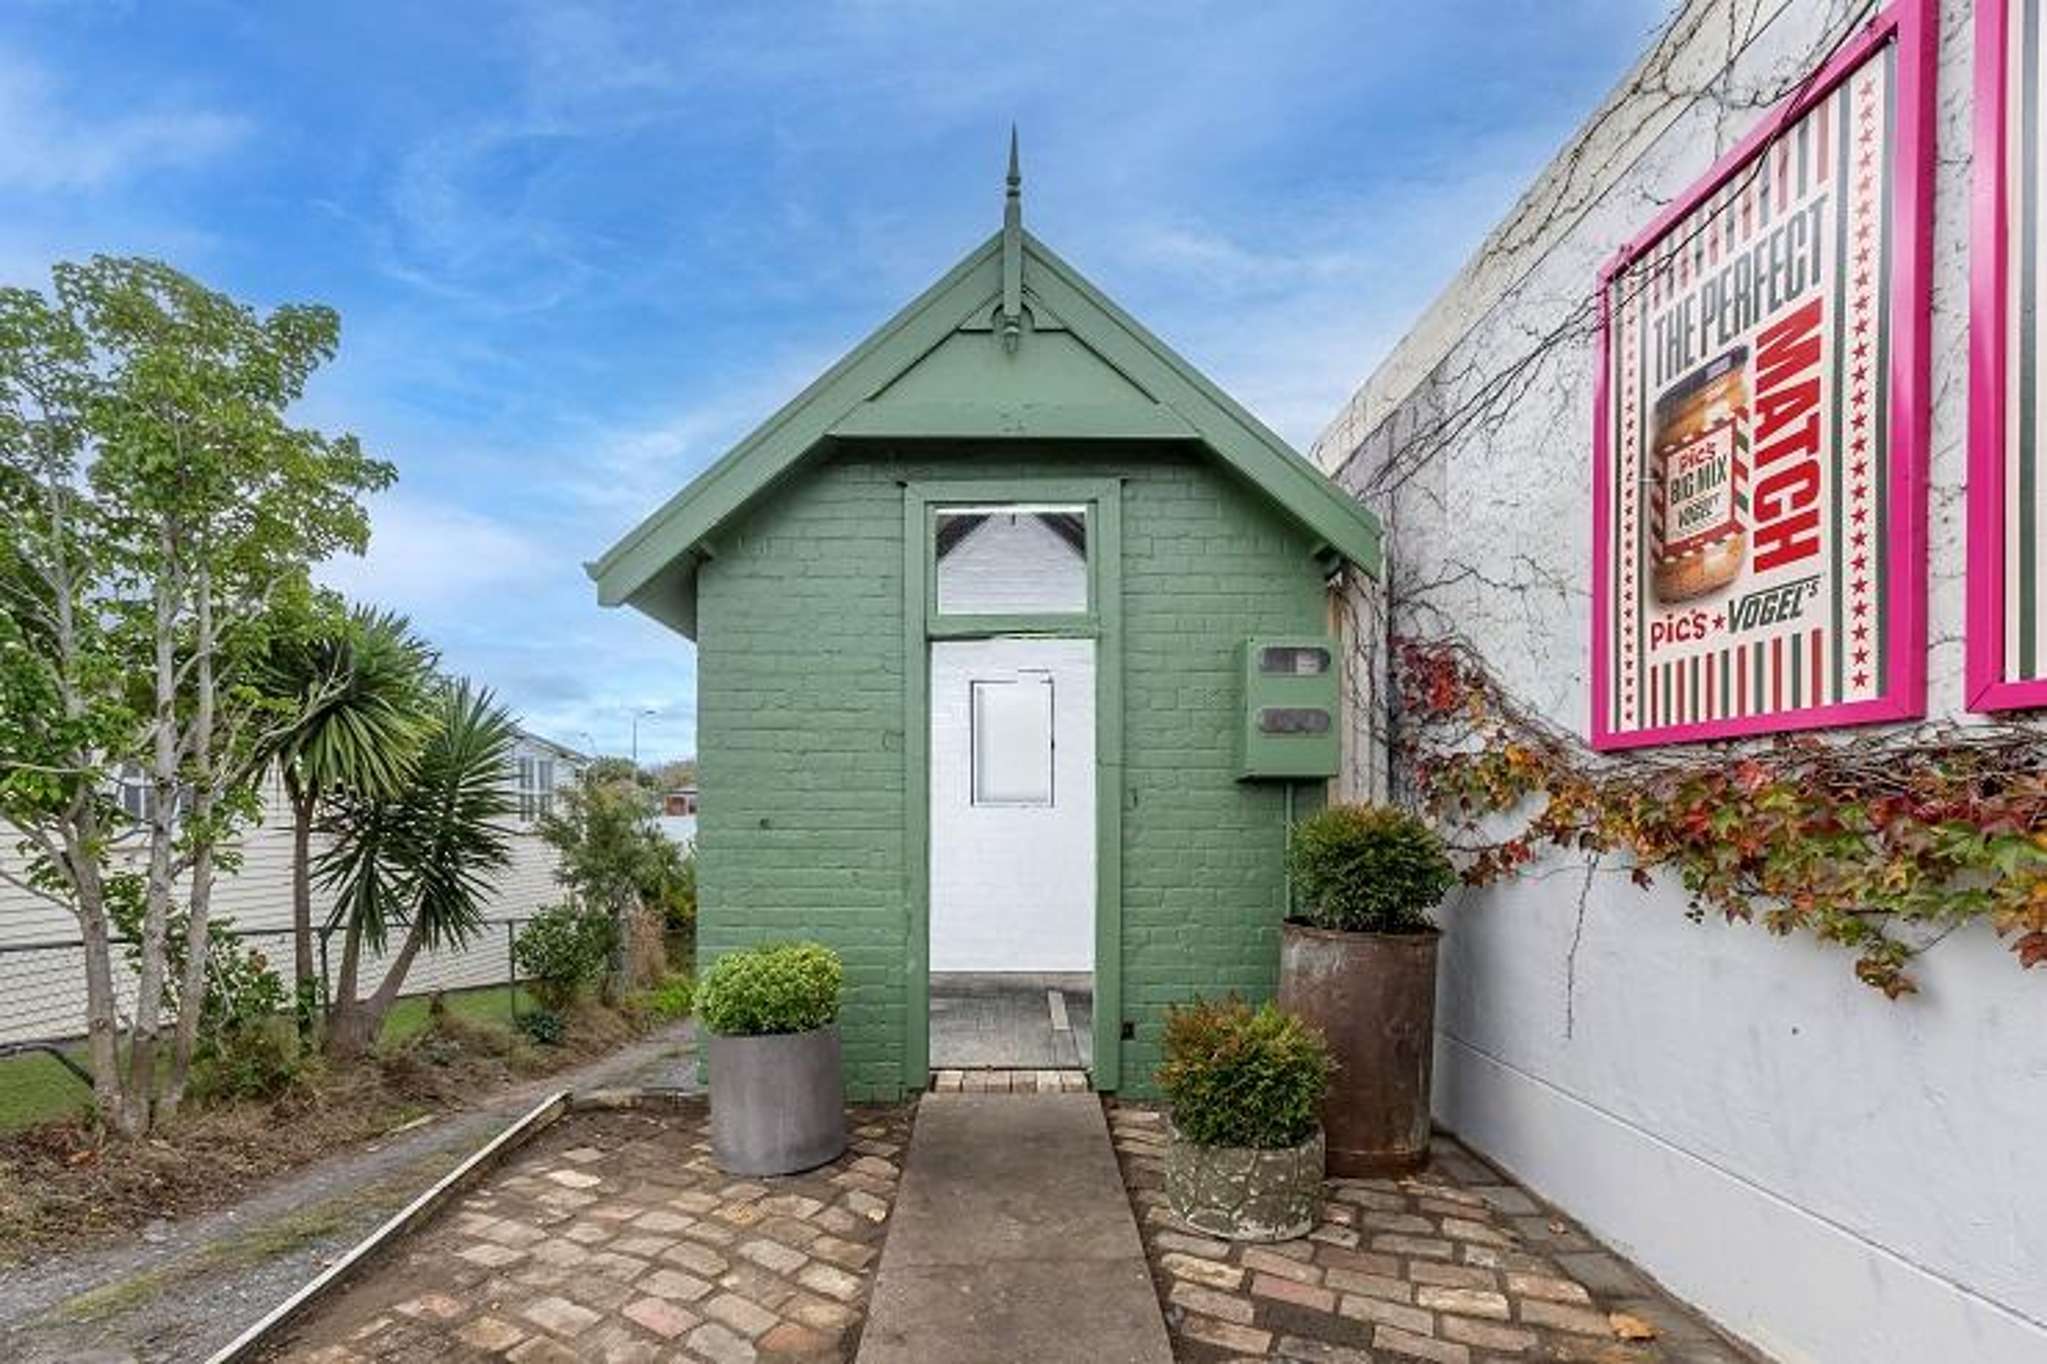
(1834, 1177)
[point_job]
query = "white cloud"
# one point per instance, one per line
(45, 145)
(426, 557)
(463, 224)
(622, 472)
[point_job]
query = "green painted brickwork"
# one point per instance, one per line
(800, 713)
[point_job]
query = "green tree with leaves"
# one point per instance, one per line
(170, 514)
(610, 852)
(360, 687)
(419, 860)
(65, 714)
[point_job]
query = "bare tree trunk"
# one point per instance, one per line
(618, 977)
(305, 988)
(355, 1029)
(100, 1004)
(199, 906)
(134, 1119)
(81, 832)
(346, 1007)
(192, 989)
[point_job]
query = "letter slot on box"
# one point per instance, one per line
(1290, 699)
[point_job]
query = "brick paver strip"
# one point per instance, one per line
(613, 1238)
(1456, 1265)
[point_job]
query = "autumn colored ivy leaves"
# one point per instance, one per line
(1850, 839)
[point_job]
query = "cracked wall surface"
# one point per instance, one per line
(1834, 1176)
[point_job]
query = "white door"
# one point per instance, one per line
(1013, 805)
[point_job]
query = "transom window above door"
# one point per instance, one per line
(1011, 559)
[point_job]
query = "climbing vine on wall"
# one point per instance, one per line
(1877, 843)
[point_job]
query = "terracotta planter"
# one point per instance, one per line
(1244, 1193)
(1373, 995)
(777, 1102)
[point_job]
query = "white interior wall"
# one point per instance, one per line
(1833, 1176)
(1013, 885)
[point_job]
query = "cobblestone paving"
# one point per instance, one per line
(613, 1238)
(1456, 1265)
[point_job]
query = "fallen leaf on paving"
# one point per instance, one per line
(1630, 1327)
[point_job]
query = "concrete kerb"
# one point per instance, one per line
(543, 1115)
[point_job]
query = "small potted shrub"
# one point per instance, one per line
(1244, 1152)
(1359, 963)
(777, 1091)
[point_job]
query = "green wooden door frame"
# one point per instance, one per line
(1103, 623)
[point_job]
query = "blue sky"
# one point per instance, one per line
(580, 248)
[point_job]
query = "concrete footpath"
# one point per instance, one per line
(1012, 1240)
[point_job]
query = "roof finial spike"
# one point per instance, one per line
(1012, 251)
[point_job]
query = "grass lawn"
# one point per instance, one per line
(488, 1006)
(34, 1088)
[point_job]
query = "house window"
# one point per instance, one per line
(536, 788)
(137, 795)
(1012, 741)
(1011, 560)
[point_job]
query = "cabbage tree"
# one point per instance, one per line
(359, 689)
(419, 863)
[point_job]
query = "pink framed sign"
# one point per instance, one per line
(1760, 434)
(2007, 624)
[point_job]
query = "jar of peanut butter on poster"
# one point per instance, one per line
(1699, 486)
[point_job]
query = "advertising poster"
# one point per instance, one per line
(1758, 478)
(2008, 401)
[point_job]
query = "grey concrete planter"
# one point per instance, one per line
(777, 1102)
(1242, 1193)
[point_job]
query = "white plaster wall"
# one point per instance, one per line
(1833, 1176)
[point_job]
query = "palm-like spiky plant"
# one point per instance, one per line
(358, 692)
(420, 859)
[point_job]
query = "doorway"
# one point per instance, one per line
(1012, 854)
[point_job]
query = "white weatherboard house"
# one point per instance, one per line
(42, 977)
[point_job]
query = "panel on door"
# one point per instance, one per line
(1013, 805)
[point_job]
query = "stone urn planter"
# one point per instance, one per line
(1373, 995)
(1243, 1193)
(771, 1045)
(1359, 964)
(1243, 1151)
(777, 1102)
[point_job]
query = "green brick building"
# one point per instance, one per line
(972, 614)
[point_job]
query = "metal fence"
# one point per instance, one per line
(42, 984)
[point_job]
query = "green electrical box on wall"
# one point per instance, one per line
(1288, 729)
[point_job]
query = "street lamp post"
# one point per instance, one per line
(638, 715)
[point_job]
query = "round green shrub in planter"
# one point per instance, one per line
(1359, 964)
(1368, 869)
(1244, 1154)
(787, 987)
(773, 1051)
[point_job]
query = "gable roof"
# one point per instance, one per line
(1070, 365)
